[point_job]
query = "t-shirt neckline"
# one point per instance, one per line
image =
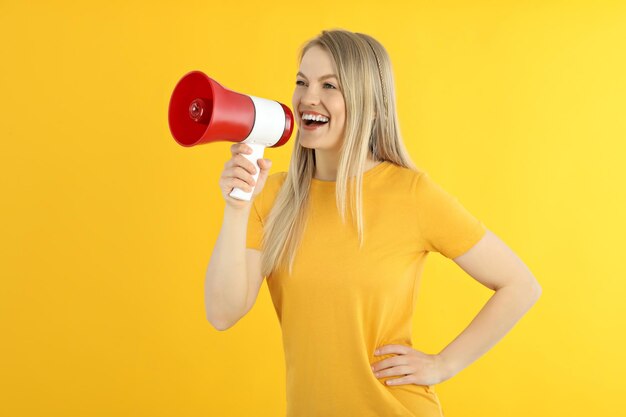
(366, 174)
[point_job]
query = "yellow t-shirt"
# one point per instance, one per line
(342, 302)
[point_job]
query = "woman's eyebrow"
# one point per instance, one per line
(321, 78)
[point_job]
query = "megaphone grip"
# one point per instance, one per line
(257, 153)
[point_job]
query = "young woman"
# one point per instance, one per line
(344, 282)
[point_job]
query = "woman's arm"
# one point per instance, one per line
(492, 263)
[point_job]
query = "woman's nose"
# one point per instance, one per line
(310, 96)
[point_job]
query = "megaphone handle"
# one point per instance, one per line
(257, 153)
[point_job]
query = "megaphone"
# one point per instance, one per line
(202, 111)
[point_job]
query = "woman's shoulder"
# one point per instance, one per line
(403, 176)
(272, 186)
(276, 179)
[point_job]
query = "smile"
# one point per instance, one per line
(312, 125)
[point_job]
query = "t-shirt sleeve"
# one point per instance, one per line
(446, 226)
(255, 227)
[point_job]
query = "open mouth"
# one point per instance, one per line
(313, 122)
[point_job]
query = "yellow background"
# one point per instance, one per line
(517, 108)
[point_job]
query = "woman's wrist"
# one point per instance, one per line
(446, 370)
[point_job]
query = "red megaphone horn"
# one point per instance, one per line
(202, 111)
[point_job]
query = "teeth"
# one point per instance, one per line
(317, 118)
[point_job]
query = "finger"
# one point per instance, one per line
(394, 371)
(383, 350)
(264, 163)
(238, 183)
(237, 148)
(388, 363)
(399, 381)
(239, 172)
(247, 165)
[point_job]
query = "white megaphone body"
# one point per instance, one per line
(202, 111)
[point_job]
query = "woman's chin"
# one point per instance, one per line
(313, 141)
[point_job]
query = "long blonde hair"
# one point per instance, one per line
(371, 126)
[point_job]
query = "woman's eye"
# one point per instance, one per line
(299, 82)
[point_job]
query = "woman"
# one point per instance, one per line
(344, 283)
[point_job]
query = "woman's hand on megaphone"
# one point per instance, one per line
(238, 173)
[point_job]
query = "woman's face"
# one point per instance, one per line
(319, 94)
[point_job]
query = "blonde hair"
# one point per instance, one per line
(371, 126)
